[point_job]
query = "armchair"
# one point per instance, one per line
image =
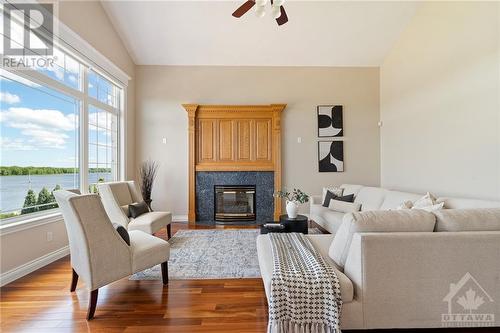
(116, 197)
(99, 255)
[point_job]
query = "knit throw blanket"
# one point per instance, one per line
(305, 291)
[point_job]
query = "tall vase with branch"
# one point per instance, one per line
(147, 175)
(293, 200)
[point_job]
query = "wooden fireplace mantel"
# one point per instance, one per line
(234, 138)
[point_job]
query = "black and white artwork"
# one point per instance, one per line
(331, 156)
(330, 121)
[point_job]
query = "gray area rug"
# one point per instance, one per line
(210, 254)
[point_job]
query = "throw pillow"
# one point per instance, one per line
(328, 197)
(346, 198)
(337, 191)
(431, 208)
(344, 207)
(405, 205)
(138, 208)
(122, 232)
(425, 201)
(377, 221)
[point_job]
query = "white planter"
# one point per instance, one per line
(292, 209)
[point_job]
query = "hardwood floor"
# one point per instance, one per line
(41, 302)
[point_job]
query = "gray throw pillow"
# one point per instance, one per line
(122, 232)
(138, 208)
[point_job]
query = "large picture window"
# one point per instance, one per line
(46, 116)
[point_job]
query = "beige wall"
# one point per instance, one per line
(162, 89)
(439, 103)
(88, 20)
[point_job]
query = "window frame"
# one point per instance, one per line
(84, 100)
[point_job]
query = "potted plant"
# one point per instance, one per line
(293, 200)
(147, 175)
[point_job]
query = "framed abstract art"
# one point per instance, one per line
(331, 156)
(330, 121)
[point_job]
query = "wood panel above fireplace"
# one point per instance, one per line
(234, 138)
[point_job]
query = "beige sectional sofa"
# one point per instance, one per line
(376, 198)
(402, 278)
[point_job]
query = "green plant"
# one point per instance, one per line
(296, 196)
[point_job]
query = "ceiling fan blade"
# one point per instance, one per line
(244, 8)
(283, 18)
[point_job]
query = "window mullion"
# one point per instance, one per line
(84, 135)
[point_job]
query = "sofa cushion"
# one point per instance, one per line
(370, 198)
(333, 220)
(479, 219)
(377, 221)
(458, 203)
(150, 222)
(344, 206)
(394, 199)
(321, 244)
(147, 251)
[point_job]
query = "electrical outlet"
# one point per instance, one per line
(49, 236)
(164, 141)
(299, 139)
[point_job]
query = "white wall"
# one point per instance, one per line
(440, 102)
(162, 89)
(88, 20)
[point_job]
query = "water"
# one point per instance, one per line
(13, 188)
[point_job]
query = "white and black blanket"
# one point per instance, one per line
(305, 291)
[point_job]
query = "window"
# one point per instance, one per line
(45, 118)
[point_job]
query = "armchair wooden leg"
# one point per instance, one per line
(74, 281)
(169, 231)
(164, 272)
(92, 304)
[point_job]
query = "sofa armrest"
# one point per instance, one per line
(402, 279)
(316, 200)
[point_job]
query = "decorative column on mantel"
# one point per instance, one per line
(234, 138)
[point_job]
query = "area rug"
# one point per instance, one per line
(210, 254)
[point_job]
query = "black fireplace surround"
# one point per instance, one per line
(263, 204)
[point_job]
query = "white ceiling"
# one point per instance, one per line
(325, 33)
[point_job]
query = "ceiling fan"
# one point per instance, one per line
(278, 11)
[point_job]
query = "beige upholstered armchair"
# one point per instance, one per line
(99, 255)
(116, 197)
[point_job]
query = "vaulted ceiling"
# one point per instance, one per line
(319, 33)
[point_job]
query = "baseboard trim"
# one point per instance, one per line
(179, 218)
(32, 266)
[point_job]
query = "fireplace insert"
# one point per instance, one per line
(234, 203)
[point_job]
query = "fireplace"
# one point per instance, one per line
(234, 203)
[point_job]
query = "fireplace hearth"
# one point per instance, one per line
(234, 203)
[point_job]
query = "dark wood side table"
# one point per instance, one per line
(299, 224)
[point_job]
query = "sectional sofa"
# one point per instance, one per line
(409, 269)
(377, 198)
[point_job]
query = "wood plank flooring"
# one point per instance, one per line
(41, 302)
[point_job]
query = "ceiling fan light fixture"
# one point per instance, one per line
(260, 11)
(278, 3)
(261, 3)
